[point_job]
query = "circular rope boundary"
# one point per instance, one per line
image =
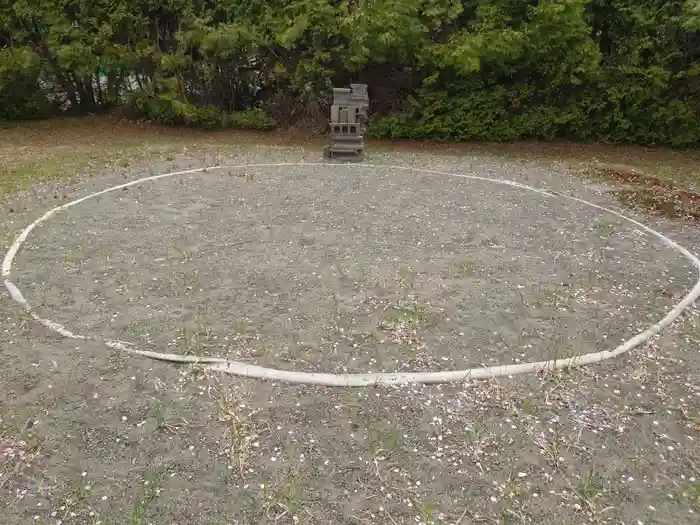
(218, 364)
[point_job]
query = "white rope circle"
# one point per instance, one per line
(218, 364)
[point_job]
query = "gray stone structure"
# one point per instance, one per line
(348, 121)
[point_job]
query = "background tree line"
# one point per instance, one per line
(611, 70)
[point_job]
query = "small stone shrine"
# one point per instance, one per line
(348, 121)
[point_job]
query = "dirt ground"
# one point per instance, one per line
(334, 269)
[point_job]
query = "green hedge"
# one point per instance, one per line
(604, 70)
(169, 110)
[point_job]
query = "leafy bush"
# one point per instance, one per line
(486, 116)
(168, 110)
(20, 97)
(250, 118)
(172, 112)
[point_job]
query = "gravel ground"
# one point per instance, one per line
(346, 268)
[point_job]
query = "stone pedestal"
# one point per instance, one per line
(348, 121)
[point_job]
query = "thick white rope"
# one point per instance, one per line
(218, 364)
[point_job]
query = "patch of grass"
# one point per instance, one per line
(56, 165)
(248, 176)
(288, 497)
(369, 336)
(19, 448)
(464, 269)
(541, 296)
(605, 226)
(164, 422)
(243, 426)
(186, 253)
(38, 152)
(384, 439)
(352, 403)
(529, 406)
(424, 509)
(412, 315)
(183, 283)
(551, 450)
(24, 176)
(72, 497)
(694, 495)
(245, 332)
(405, 277)
(261, 349)
(194, 336)
(514, 488)
(296, 351)
(403, 323)
(589, 491)
(590, 486)
(153, 487)
(138, 329)
(6, 237)
(362, 274)
(139, 515)
(473, 433)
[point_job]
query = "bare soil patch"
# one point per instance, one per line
(349, 269)
(92, 436)
(653, 194)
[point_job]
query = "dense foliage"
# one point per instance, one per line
(611, 70)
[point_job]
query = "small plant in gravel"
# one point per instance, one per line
(590, 487)
(368, 336)
(244, 332)
(402, 323)
(247, 175)
(164, 423)
(24, 320)
(550, 449)
(243, 428)
(529, 406)
(464, 269)
(194, 337)
(412, 315)
(186, 253)
(183, 283)
(288, 495)
(605, 226)
(405, 277)
(424, 509)
(695, 495)
(71, 500)
(296, 351)
(383, 441)
(150, 491)
(138, 329)
(19, 449)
